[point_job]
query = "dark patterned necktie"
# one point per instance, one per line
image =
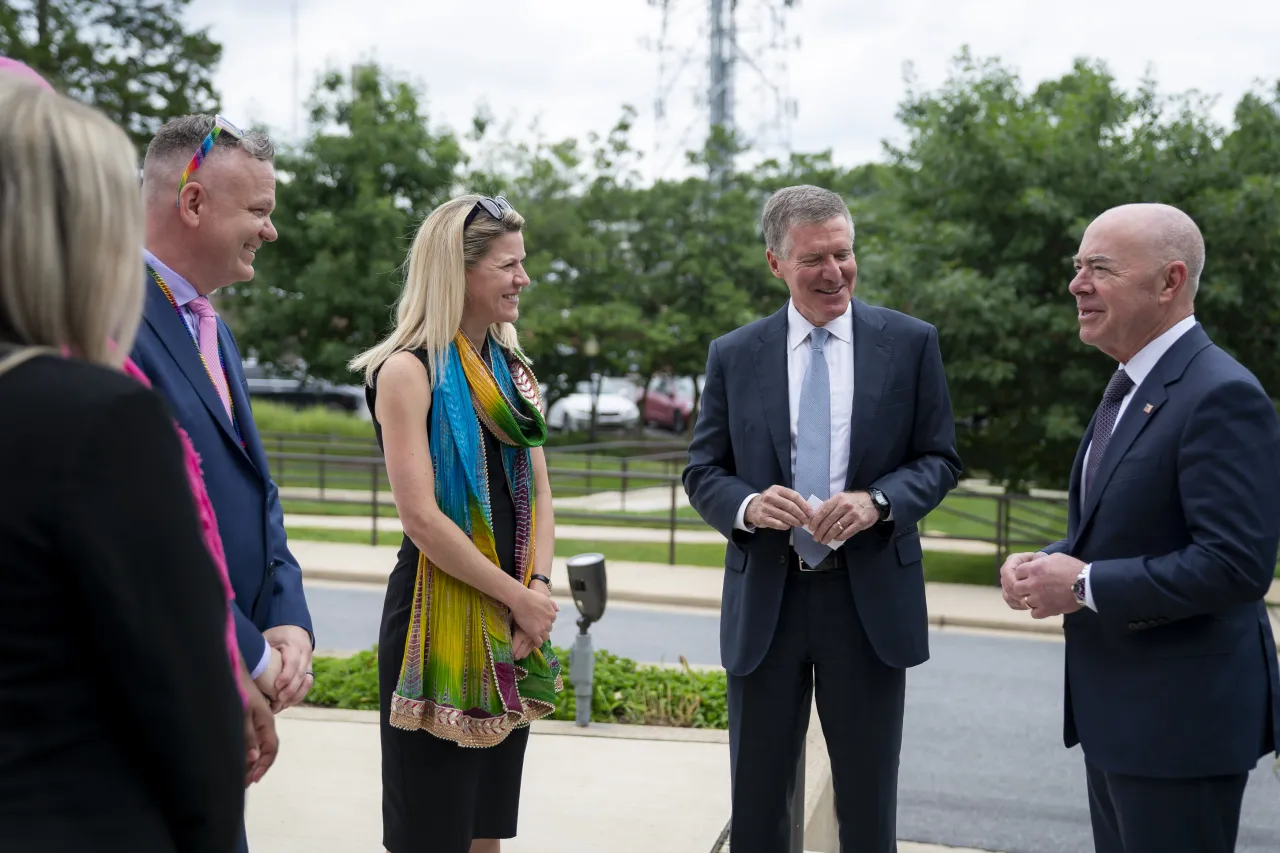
(1105, 422)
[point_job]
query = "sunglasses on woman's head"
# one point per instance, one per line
(495, 207)
(220, 125)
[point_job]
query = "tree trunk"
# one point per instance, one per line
(693, 413)
(42, 24)
(644, 399)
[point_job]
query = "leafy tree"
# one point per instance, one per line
(984, 208)
(1239, 297)
(348, 203)
(133, 59)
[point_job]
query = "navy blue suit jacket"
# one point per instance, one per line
(265, 576)
(1175, 674)
(903, 442)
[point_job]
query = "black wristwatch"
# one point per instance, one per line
(881, 503)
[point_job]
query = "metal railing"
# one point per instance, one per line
(347, 472)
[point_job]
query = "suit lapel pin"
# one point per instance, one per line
(1146, 410)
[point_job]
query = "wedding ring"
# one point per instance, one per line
(839, 527)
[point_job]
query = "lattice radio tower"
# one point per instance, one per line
(731, 56)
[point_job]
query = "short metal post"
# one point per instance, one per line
(797, 807)
(582, 664)
(373, 487)
(1002, 529)
(671, 555)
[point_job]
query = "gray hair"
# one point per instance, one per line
(799, 205)
(178, 140)
(1181, 240)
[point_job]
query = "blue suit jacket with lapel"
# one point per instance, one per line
(264, 575)
(902, 442)
(1175, 674)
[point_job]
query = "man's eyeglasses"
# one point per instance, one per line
(495, 207)
(220, 125)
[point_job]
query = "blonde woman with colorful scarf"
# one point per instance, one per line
(465, 660)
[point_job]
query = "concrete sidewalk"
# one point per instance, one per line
(950, 605)
(629, 789)
(606, 533)
(622, 789)
(957, 605)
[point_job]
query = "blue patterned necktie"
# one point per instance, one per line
(813, 442)
(1105, 423)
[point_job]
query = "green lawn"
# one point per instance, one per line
(645, 552)
(572, 474)
(604, 474)
(386, 509)
(959, 515)
(1038, 522)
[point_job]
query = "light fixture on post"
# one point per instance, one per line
(590, 594)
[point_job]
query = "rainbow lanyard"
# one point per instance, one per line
(222, 365)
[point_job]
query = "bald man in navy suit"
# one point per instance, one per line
(1174, 521)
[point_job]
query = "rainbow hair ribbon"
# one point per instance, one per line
(219, 125)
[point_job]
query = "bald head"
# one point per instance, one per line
(1165, 233)
(1136, 276)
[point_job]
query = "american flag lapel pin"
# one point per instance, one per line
(1146, 410)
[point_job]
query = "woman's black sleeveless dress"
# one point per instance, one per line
(438, 796)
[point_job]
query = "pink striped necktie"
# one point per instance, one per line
(207, 329)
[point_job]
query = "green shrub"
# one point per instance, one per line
(314, 420)
(623, 692)
(346, 682)
(648, 695)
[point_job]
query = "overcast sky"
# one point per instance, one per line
(571, 64)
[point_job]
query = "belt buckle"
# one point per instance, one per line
(805, 567)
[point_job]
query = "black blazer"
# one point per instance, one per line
(1175, 674)
(903, 442)
(120, 727)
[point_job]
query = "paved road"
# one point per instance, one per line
(982, 762)
(346, 619)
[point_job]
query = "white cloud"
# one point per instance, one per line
(572, 64)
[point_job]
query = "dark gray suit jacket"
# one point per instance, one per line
(903, 442)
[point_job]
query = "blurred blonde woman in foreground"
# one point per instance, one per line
(120, 725)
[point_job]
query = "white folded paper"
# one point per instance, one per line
(815, 503)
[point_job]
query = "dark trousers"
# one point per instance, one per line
(1138, 814)
(819, 644)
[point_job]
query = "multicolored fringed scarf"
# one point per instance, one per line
(459, 680)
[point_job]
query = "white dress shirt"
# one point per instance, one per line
(838, 351)
(1138, 368)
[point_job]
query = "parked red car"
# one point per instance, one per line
(670, 403)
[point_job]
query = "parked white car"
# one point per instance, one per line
(572, 412)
